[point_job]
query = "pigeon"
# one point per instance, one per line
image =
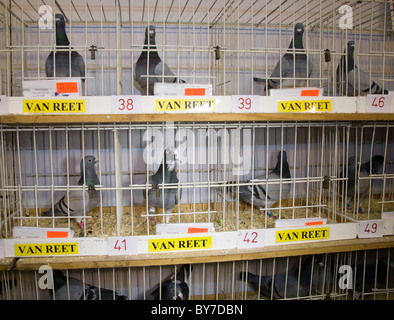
(351, 80)
(78, 202)
(365, 279)
(74, 289)
(298, 66)
(258, 191)
(175, 288)
(277, 289)
(149, 68)
(59, 65)
(155, 196)
(363, 184)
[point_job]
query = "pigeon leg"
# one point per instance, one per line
(84, 225)
(152, 212)
(168, 217)
(269, 213)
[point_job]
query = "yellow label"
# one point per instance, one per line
(302, 234)
(54, 106)
(191, 105)
(191, 243)
(45, 249)
(304, 106)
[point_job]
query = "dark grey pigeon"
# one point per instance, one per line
(166, 174)
(258, 192)
(175, 288)
(149, 67)
(363, 184)
(78, 202)
(295, 63)
(58, 63)
(351, 80)
(75, 289)
(364, 279)
(298, 282)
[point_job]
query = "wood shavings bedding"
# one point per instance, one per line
(103, 222)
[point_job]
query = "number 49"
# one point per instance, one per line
(374, 228)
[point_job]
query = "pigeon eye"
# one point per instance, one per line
(90, 160)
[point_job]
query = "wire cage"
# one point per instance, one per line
(226, 43)
(230, 175)
(217, 163)
(350, 275)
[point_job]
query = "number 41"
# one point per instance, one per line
(118, 247)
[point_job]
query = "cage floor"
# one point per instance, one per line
(103, 222)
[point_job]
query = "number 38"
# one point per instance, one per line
(126, 104)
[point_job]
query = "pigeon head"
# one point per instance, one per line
(350, 55)
(352, 162)
(60, 22)
(150, 35)
(91, 178)
(283, 165)
(90, 161)
(299, 28)
(297, 39)
(350, 46)
(170, 158)
(61, 36)
(173, 292)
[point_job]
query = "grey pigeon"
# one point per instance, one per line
(175, 288)
(58, 63)
(149, 67)
(365, 170)
(77, 202)
(365, 279)
(258, 191)
(351, 80)
(295, 63)
(74, 289)
(297, 283)
(166, 174)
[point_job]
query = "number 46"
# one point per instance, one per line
(378, 102)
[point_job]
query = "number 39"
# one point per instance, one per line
(244, 103)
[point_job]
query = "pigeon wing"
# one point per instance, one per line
(162, 68)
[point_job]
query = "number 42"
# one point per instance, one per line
(254, 236)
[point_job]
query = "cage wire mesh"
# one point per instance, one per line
(224, 175)
(354, 275)
(223, 43)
